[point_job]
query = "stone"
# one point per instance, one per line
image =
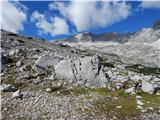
(16, 52)
(46, 62)
(150, 108)
(48, 89)
(4, 60)
(139, 107)
(138, 97)
(136, 78)
(130, 90)
(24, 68)
(17, 94)
(118, 107)
(148, 87)
(139, 102)
(85, 71)
(119, 85)
(7, 88)
(19, 63)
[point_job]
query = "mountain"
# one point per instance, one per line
(105, 37)
(146, 36)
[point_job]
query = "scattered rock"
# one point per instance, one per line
(17, 94)
(19, 64)
(7, 88)
(16, 52)
(139, 102)
(139, 107)
(150, 108)
(138, 97)
(130, 90)
(118, 107)
(119, 85)
(48, 89)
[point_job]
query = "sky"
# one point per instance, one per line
(54, 20)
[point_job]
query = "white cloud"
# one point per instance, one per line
(12, 16)
(56, 26)
(86, 15)
(150, 4)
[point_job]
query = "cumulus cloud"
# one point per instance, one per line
(55, 26)
(150, 4)
(13, 15)
(90, 14)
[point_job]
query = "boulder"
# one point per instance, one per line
(17, 94)
(19, 63)
(4, 60)
(7, 88)
(148, 87)
(136, 78)
(84, 71)
(16, 52)
(130, 90)
(119, 85)
(46, 62)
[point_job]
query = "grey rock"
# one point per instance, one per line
(17, 94)
(24, 68)
(7, 88)
(85, 71)
(46, 62)
(4, 60)
(136, 78)
(119, 85)
(19, 63)
(48, 89)
(130, 90)
(148, 87)
(16, 52)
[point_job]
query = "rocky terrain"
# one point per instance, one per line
(80, 80)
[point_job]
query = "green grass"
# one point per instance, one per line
(79, 90)
(153, 99)
(144, 70)
(107, 107)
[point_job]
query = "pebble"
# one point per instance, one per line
(118, 107)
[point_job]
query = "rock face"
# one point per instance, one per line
(4, 60)
(147, 35)
(45, 62)
(84, 37)
(85, 71)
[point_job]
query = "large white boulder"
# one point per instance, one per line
(85, 71)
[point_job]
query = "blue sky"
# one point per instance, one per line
(57, 20)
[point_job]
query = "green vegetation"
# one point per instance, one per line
(106, 63)
(144, 70)
(78, 90)
(150, 100)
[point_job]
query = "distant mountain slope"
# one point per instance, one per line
(104, 37)
(146, 35)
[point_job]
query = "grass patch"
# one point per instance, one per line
(143, 70)
(150, 100)
(79, 90)
(107, 107)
